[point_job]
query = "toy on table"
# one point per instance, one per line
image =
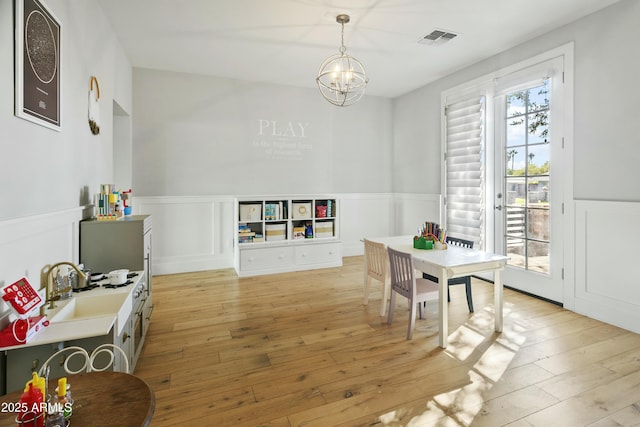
(430, 236)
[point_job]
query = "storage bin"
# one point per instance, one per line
(275, 232)
(324, 229)
(301, 210)
(252, 212)
(321, 211)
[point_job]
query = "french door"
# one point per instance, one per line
(529, 200)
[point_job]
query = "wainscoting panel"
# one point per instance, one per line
(607, 276)
(191, 233)
(363, 215)
(28, 244)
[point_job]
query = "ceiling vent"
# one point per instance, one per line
(437, 37)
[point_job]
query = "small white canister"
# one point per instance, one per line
(118, 277)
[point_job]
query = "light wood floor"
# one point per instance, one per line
(301, 349)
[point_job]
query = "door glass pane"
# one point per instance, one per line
(538, 97)
(527, 178)
(516, 161)
(515, 252)
(538, 127)
(515, 103)
(516, 131)
(538, 224)
(538, 192)
(538, 159)
(516, 193)
(538, 256)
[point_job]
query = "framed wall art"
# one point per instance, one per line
(37, 64)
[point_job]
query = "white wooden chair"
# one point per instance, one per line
(376, 268)
(88, 360)
(405, 283)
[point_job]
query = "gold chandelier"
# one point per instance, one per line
(342, 79)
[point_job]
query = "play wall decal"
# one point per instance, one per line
(282, 140)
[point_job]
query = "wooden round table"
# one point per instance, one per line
(100, 399)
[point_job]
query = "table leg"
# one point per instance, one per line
(443, 307)
(498, 298)
(364, 280)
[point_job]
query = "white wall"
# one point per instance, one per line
(202, 135)
(44, 170)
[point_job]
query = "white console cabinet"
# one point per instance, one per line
(279, 234)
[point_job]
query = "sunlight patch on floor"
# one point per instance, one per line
(461, 406)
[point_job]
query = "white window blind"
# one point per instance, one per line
(465, 183)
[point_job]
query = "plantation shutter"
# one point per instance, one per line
(465, 183)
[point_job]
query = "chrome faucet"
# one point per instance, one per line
(51, 293)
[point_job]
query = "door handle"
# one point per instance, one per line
(498, 207)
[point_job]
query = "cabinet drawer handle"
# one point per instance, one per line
(150, 312)
(125, 337)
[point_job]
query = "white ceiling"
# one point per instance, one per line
(285, 41)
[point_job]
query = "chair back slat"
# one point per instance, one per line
(376, 257)
(402, 273)
(463, 243)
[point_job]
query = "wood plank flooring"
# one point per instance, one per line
(300, 349)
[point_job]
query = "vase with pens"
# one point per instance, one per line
(430, 236)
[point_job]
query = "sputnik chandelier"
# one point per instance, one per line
(342, 78)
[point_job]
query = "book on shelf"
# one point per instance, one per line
(298, 233)
(245, 233)
(249, 236)
(273, 211)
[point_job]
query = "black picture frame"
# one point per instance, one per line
(37, 64)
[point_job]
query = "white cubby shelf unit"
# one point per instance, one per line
(277, 234)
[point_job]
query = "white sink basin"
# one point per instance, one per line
(90, 306)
